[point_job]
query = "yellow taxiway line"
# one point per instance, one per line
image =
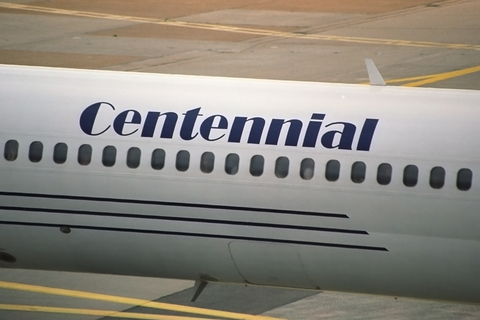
(129, 301)
(92, 312)
(431, 78)
(437, 77)
(225, 28)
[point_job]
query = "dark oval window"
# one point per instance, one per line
(332, 170)
(307, 169)
(384, 174)
(464, 179)
(281, 167)
(158, 159)
(35, 152)
(437, 177)
(10, 152)
(60, 153)
(358, 172)
(410, 175)
(183, 160)
(256, 165)
(206, 162)
(231, 163)
(84, 154)
(133, 157)
(109, 156)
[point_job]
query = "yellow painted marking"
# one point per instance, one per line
(431, 78)
(91, 312)
(260, 32)
(408, 79)
(130, 301)
(443, 76)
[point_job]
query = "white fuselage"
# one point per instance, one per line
(232, 180)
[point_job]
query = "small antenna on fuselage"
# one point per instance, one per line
(374, 75)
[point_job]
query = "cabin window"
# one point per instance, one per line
(84, 154)
(281, 167)
(232, 162)
(183, 160)
(11, 150)
(307, 168)
(410, 175)
(35, 152)
(109, 156)
(358, 172)
(158, 159)
(464, 179)
(332, 170)
(256, 165)
(133, 157)
(384, 174)
(60, 153)
(206, 162)
(437, 177)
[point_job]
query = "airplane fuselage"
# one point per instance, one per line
(294, 184)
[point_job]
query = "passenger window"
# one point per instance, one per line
(384, 174)
(60, 153)
(133, 157)
(410, 175)
(332, 170)
(281, 167)
(35, 152)
(464, 179)
(207, 161)
(11, 150)
(183, 160)
(358, 172)
(158, 159)
(109, 156)
(84, 154)
(232, 162)
(437, 177)
(256, 165)
(307, 168)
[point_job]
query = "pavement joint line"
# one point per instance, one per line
(225, 28)
(132, 301)
(93, 312)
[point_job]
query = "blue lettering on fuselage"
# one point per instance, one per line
(334, 135)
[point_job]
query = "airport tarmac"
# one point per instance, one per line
(413, 43)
